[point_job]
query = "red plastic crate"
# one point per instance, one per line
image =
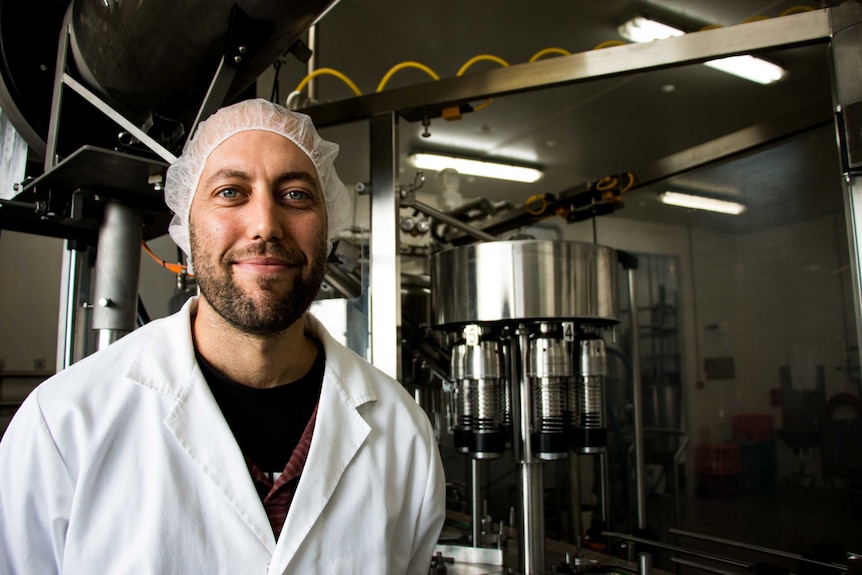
(717, 458)
(752, 427)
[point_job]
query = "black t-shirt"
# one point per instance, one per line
(267, 423)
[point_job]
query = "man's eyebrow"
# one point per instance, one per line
(228, 174)
(235, 174)
(300, 175)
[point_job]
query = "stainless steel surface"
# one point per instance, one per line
(69, 275)
(637, 402)
(311, 65)
(798, 29)
(724, 147)
(532, 513)
(523, 280)
(215, 96)
(117, 269)
(118, 118)
(758, 548)
(478, 373)
(384, 274)
(49, 147)
(532, 520)
(549, 370)
(676, 549)
(644, 564)
(185, 41)
(453, 222)
(847, 101)
(476, 502)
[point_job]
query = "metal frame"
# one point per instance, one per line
(841, 25)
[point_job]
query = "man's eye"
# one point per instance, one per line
(228, 193)
(296, 195)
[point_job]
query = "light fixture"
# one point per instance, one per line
(642, 29)
(437, 162)
(749, 67)
(701, 203)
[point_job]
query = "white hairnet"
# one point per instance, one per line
(184, 175)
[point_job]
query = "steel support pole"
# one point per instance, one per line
(847, 97)
(476, 501)
(118, 263)
(384, 273)
(69, 285)
(532, 520)
(637, 400)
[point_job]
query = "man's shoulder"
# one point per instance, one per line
(105, 367)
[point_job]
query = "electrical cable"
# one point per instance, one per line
(401, 66)
(487, 57)
(175, 268)
(330, 72)
(546, 51)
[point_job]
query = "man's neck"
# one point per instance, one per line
(259, 361)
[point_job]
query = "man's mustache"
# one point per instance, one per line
(290, 255)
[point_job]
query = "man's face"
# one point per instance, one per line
(257, 229)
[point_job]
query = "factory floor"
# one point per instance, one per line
(816, 522)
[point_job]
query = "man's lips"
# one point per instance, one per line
(265, 264)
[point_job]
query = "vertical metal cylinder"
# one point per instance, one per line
(550, 372)
(476, 501)
(589, 434)
(637, 401)
(644, 564)
(532, 520)
(477, 369)
(68, 309)
(117, 268)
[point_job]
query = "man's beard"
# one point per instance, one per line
(275, 312)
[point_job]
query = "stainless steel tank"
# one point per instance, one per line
(148, 57)
(524, 280)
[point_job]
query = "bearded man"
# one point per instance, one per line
(236, 436)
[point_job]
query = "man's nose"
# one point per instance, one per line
(265, 223)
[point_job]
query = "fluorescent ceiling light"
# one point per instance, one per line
(468, 167)
(749, 67)
(701, 203)
(642, 29)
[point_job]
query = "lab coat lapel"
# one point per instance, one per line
(339, 432)
(198, 425)
(196, 420)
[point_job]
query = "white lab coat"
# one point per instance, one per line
(123, 463)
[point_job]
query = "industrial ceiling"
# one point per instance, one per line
(585, 131)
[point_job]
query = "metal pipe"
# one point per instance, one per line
(311, 65)
(707, 568)
(455, 223)
(117, 269)
(677, 459)
(605, 485)
(676, 549)
(476, 503)
(384, 274)
(765, 550)
(68, 309)
(637, 401)
(644, 564)
(532, 530)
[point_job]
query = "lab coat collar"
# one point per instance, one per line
(339, 433)
(198, 425)
(196, 420)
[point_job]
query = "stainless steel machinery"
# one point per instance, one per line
(529, 320)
